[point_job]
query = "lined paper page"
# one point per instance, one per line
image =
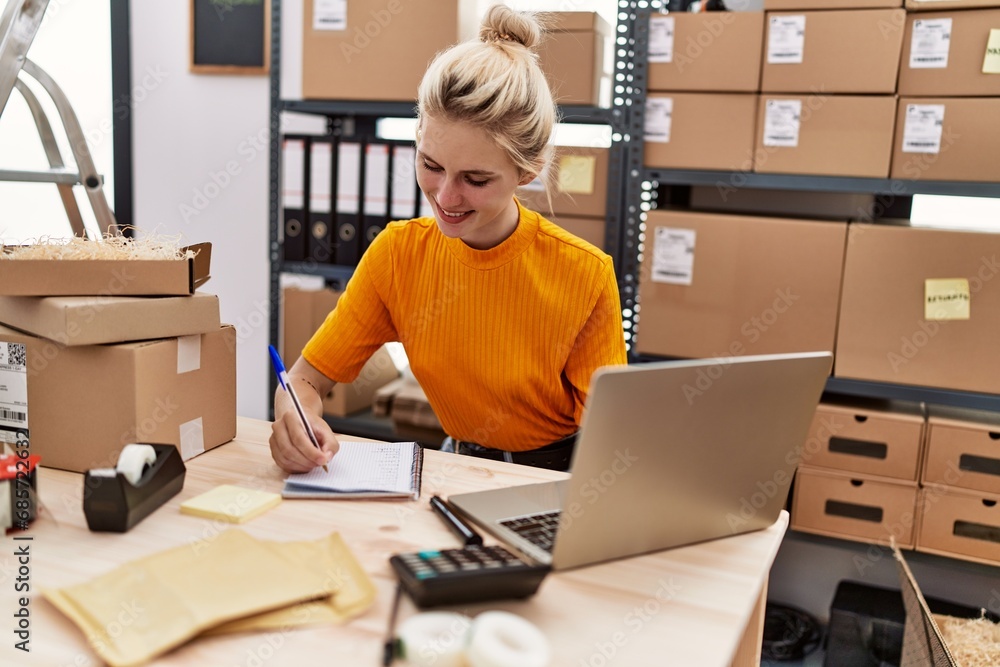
(363, 466)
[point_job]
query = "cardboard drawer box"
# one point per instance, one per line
(854, 507)
(375, 49)
(865, 440)
(705, 51)
(303, 311)
(945, 53)
(89, 320)
(579, 182)
(572, 56)
(85, 403)
(852, 52)
(920, 307)
(963, 454)
(700, 131)
(751, 285)
(947, 139)
(960, 524)
(825, 135)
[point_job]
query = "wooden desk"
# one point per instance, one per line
(687, 606)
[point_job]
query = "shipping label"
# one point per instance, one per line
(786, 40)
(673, 256)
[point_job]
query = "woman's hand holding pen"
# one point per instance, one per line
(291, 447)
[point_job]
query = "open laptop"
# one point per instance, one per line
(669, 453)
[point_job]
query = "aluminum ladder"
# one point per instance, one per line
(18, 25)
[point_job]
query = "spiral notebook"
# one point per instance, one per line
(363, 470)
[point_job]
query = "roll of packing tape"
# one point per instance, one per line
(502, 639)
(133, 461)
(434, 638)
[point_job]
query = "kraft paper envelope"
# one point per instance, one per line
(355, 591)
(144, 608)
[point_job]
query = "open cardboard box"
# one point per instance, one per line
(106, 277)
(942, 641)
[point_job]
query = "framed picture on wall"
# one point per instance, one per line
(230, 36)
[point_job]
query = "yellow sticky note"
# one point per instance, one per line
(576, 174)
(947, 299)
(234, 504)
(991, 62)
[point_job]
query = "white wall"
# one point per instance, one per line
(200, 170)
(73, 45)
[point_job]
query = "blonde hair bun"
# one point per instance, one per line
(503, 24)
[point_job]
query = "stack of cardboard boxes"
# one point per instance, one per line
(899, 305)
(378, 50)
(859, 472)
(876, 472)
(949, 92)
(859, 88)
(374, 50)
(91, 360)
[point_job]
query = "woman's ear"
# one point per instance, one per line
(526, 178)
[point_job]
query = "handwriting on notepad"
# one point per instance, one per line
(367, 466)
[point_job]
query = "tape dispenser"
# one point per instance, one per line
(145, 477)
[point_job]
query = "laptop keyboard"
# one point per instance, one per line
(539, 529)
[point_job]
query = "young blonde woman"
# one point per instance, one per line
(503, 315)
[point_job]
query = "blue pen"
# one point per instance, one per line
(279, 368)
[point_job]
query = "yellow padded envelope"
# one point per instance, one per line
(144, 608)
(354, 594)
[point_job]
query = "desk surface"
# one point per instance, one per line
(686, 606)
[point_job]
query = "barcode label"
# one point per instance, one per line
(13, 414)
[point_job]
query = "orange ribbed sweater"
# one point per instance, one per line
(503, 341)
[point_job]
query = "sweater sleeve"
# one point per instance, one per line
(361, 322)
(601, 341)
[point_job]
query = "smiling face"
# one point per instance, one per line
(469, 180)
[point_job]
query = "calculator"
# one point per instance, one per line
(474, 573)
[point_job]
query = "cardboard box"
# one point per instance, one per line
(851, 52)
(700, 131)
(752, 285)
(571, 54)
(88, 320)
(854, 507)
(379, 50)
(410, 406)
(778, 5)
(961, 147)
(104, 277)
(303, 311)
(935, 66)
(85, 403)
(882, 441)
(579, 181)
(960, 524)
(963, 450)
(927, 5)
(907, 318)
(591, 230)
(825, 135)
(708, 51)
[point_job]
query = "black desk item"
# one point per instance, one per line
(472, 574)
(463, 530)
(113, 504)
